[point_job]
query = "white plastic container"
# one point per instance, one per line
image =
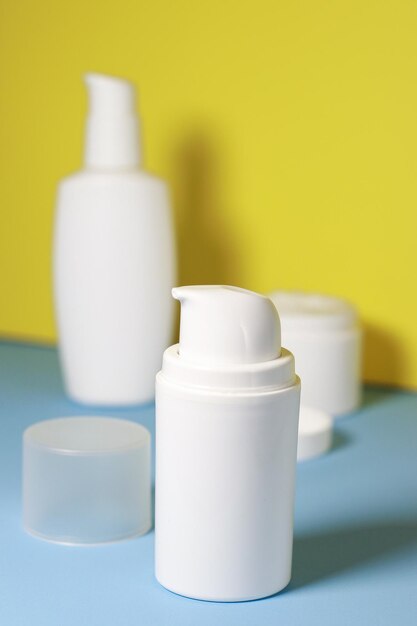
(227, 403)
(324, 335)
(315, 433)
(86, 480)
(114, 262)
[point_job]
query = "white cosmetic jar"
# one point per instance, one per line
(324, 335)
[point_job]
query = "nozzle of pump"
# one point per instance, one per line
(112, 131)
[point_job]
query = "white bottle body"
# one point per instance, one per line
(225, 479)
(114, 267)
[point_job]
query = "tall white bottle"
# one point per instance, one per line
(227, 401)
(114, 259)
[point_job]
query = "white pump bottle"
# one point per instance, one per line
(227, 403)
(114, 263)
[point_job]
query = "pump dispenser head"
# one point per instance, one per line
(112, 131)
(230, 339)
(222, 326)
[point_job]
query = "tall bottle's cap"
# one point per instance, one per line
(112, 130)
(86, 480)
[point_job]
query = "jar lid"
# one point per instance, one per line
(314, 433)
(300, 311)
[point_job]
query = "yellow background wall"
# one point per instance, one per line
(287, 130)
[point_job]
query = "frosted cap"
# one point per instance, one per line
(86, 480)
(314, 433)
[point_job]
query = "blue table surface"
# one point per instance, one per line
(355, 546)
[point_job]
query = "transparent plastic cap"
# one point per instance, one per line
(86, 480)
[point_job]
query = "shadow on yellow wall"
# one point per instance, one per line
(206, 249)
(384, 356)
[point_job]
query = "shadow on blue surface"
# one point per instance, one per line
(374, 394)
(323, 555)
(340, 440)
